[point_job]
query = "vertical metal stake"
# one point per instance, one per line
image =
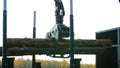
(4, 50)
(72, 65)
(118, 47)
(34, 36)
(34, 25)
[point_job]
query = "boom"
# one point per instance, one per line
(59, 12)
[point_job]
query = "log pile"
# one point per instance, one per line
(29, 46)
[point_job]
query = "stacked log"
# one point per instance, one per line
(46, 43)
(29, 46)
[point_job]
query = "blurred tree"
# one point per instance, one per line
(64, 64)
(20, 63)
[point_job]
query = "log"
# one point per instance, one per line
(29, 46)
(46, 43)
(49, 51)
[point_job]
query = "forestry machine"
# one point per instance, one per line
(59, 30)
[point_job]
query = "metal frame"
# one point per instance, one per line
(117, 44)
(118, 47)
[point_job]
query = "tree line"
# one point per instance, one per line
(21, 63)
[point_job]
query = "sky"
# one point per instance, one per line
(90, 16)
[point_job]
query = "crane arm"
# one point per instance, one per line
(59, 11)
(59, 4)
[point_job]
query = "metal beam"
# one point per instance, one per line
(34, 25)
(118, 47)
(71, 36)
(4, 50)
(34, 36)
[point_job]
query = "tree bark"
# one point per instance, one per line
(30, 46)
(45, 43)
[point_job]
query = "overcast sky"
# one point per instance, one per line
(90, 16)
